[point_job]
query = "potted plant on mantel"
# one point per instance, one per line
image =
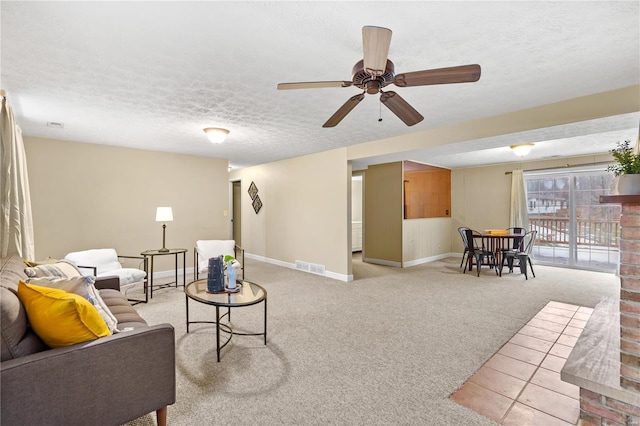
(627, 169)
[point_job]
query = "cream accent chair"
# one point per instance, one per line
(206, 249)
(106, 262)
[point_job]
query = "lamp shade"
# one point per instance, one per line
(164, 214)
(522, 149)
(216, 134)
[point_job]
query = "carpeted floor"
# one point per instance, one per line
(387, 348)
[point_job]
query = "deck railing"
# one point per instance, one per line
(554, 230)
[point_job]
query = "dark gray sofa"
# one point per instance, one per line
(107, 381)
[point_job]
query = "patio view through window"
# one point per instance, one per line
(574, 229)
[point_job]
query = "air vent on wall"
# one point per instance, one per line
(310, 267)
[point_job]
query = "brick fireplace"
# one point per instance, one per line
(605, 362)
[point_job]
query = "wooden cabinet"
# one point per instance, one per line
(427, 192)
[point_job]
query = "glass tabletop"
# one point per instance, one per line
(159, 252)
(249, 294)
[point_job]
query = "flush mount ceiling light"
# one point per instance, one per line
(522, 149)
(216, 134)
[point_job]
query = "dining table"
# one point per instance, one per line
(497, 242)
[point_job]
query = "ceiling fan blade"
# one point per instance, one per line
(375, 46)
(401, 108)
(344, 110)
(313, 85)
(460, 74)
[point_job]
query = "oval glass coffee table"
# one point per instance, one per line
(248, 294)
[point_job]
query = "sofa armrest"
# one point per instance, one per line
(110, 380)
(111, 281)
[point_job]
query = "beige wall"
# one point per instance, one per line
(305, 214)
(95, 196)
(356, 199)
(383, 214)
(424, 240)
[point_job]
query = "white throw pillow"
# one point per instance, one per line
(61, 269)
(106, 314)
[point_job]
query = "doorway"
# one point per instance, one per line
(236, 212)
(574, 229)
(356, 213)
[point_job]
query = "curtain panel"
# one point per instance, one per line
(16, 223)
(519, 216)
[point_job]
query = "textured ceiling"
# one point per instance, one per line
(152, 75)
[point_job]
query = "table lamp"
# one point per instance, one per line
(164, 214)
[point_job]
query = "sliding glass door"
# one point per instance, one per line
(574, 229)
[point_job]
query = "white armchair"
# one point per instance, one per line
(106, 262)
(206, 249)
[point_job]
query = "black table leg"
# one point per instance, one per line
(176, 268)
(187, 303)
(218, 332)
(151, 278)
(184, 270)
(265, 321)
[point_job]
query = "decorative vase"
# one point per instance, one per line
(215, 276)
(231, 276)
(628, 184)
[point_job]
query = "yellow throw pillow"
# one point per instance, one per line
(60, 318)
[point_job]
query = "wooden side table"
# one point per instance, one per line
(175, 252)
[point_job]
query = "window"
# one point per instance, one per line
(574, 229)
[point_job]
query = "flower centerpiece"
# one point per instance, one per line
(627, 168)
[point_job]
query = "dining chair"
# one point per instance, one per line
(516, 241)
(463, 235)
(522, 257)
(478, 252)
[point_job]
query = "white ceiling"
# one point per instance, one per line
(152, 75)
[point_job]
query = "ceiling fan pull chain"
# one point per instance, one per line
(380, 105)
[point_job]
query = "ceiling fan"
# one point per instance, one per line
(375, 71)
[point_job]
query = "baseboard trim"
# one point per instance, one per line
(328, 274)
(429, 259)
(382, 262)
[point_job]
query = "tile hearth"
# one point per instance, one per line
(520, 384)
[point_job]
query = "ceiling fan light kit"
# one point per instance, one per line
(522, 149)
(216, 134)
(375, 71)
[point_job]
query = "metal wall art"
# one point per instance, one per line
(253, 190)
(257, 204)
(253, 193)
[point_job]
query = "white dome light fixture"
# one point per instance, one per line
(522, 149)
(216, 134)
